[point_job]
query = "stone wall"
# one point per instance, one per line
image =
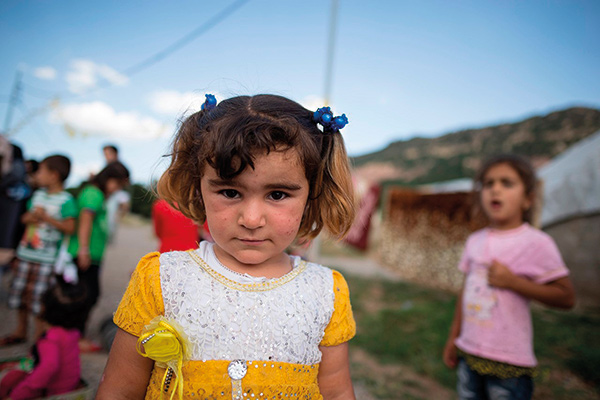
(421, 237)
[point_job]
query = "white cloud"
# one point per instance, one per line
(85, 75)
(100, 119)
(174, 103)
(81, 171)
(312, 102)
(45, 73)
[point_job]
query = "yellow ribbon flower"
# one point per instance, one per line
(165, 342)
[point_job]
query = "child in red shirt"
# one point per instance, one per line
(174, 230)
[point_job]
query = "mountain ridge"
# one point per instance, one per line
(458, 154)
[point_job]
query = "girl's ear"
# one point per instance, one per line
(527, 202)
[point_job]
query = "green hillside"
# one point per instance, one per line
(458, 154)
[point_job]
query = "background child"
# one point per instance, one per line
(257, 320)
(87, 246)
(50, 216)
(506, 264)
(174, 230)
(56, 366)
(118, 203)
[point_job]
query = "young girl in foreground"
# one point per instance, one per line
(506, 265)
(240, 318)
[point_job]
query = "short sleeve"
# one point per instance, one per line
(547, 263)
(69, 209)
(342, 326)
(91, 199)
(30, 203)
(142, 300)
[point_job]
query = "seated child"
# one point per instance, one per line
(56, 364)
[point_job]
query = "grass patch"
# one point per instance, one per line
(401, 323)
(569, 341)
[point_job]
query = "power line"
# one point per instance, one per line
(226, 12)
(148, 62)
(14, 99)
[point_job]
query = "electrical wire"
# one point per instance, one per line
(226, 12)
(144, 64)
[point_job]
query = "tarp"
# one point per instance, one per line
(572, 182)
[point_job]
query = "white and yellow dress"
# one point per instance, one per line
(248, 338)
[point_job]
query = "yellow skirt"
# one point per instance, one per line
(263, 380)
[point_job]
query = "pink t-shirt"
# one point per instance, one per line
(496, 323)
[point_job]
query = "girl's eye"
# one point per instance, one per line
(278, 195)
(230, 193)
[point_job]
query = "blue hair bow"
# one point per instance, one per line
(325, 117)
(209, 103)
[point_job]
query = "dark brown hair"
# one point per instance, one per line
(230, 136)
(112, 148)
(523, 168)
(59, 164)
(64, 304)
(114, 170)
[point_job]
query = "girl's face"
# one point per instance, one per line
(254, 217)
(503, 197)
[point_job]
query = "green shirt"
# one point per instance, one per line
(92, 199)
(41, 241)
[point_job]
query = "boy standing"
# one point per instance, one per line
(50, 217)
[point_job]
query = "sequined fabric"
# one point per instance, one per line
(278, 329)
(264, 380)
(501, 370)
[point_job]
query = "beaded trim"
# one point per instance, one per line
(251, 287)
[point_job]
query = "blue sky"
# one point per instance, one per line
(401, 68)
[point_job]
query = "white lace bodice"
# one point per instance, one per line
(281, 319)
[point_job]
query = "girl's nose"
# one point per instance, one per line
(252, 215)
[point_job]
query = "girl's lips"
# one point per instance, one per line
(495, 204)
(251, 241)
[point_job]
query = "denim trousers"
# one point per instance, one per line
(473, 386)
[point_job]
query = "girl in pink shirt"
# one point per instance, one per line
(506, 265)
(56, 353)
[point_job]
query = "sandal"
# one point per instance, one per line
(11, 340)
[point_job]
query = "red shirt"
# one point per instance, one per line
(174, 230)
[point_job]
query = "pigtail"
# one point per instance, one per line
(179, 185)
(332, 205)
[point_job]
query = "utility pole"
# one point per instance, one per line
(14, 99)
(314, 251)
(329, 56)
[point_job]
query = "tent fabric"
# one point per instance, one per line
(571, 182)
